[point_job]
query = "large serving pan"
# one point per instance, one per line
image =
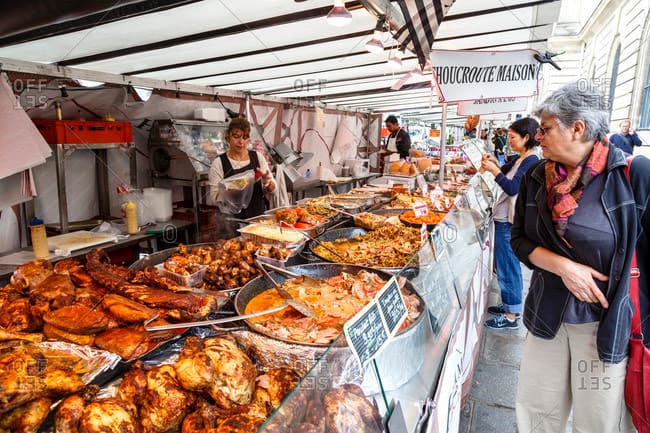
(314, 270)
(347, 233)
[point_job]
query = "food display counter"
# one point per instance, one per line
(406, 295)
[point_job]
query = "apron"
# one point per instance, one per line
(392, 142)
(257, 206)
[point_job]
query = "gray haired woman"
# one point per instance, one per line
(576, 225)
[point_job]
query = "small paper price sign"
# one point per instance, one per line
(438, 243)
(424, 187)
(420, 209)
(424, 234)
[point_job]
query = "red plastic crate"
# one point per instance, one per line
(84, 131)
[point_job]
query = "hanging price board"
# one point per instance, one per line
(438, 242)
(420, 209)
(392, 305)
(366, 333)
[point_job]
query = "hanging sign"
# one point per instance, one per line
(469, 75)
(492, 106)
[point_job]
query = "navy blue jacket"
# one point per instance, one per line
(625, 204)
(511, 187)
(625, 142)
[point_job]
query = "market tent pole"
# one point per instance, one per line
(443, 134)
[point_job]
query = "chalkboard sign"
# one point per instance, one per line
(438, 243)
(392, 306)
(366, 332)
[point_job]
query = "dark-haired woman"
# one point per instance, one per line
(239, 159)
(521, 137)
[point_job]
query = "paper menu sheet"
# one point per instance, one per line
(78, 240)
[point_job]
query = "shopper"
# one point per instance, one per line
(627, 139)
(499, 141)
(399, 140)
(576, 226)
(521, 137)
(238, 159)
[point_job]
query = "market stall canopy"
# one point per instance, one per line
(283, 48)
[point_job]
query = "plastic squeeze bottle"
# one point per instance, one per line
(39, 239)
(131, 213)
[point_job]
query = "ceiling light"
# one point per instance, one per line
(395, 61)
(144, 93)
(89, 83)
(339, 16)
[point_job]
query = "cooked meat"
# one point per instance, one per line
(240, 423)
(56, 290)
(273, 386)
(17, 316)
(69, 412)
(150, 276)
(90, 295)
(308, 428)
(204, 420)
(133, 385)
(314, 411)
(129, 343)
(27, 372)
(7, 336)
(54, 333)
(126, 310)
(198, 306)
(99, 267)
(165, 403)
(26, 418)
(67, 266)
(219, 368)
(78, 319)
(346, 412)
(109, 415)
(31, 273)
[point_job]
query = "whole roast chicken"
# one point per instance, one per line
(219, 368)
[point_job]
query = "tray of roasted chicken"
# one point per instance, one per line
(295, 217)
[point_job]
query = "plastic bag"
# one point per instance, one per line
(235, 193)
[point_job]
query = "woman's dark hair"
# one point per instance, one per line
(239, 123)
(524, 126)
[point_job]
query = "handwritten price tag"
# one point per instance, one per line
(420, 209)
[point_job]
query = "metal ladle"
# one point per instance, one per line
(299, 306)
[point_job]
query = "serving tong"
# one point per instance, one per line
(289, 302)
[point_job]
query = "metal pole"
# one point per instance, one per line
(443, 141)
(59, 158)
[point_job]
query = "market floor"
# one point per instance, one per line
(490, 407)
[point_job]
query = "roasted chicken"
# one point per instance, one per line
(26, 418)
(219, 368)
(68, 413)
(273, 386)
(165, 404)
(348, 412)
(16, 316)
(109, 415)
(31, 273)
(75, 270)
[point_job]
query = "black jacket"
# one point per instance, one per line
(625, 204)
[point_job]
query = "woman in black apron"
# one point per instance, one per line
(239, 159)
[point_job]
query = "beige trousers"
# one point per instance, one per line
(564, 373)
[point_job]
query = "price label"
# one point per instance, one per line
(424, 234)
(420, 209)
(424, 187)
(438, 242)
(366, 333)
(392, 305)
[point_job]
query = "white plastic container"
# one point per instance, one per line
(159, 201)
(210, 114)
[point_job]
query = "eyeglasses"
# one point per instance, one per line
(542, 130)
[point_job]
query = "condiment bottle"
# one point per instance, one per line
(131, 213)
(39, 239)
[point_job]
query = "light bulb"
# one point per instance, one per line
(374, 45)
(339, 16)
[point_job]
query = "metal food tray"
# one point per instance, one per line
(270, 215)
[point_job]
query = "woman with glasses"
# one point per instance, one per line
(521, 137)
(236, 160)
(576, 225)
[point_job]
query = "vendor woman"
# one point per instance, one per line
(236, 160)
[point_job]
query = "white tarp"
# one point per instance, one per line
(468, 75)
(492, 106)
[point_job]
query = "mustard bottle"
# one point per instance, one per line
(131, 213)
(39, 239)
